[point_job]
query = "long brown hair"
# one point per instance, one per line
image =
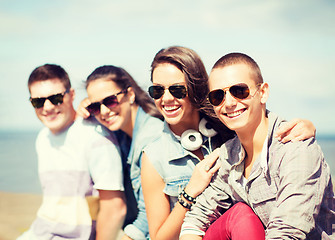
(124, 80)
(191, 65)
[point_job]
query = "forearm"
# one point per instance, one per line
(209, 206)
(284, 232)
(111, 214)
(171, 227)
(109, 225)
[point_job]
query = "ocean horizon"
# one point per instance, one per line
(18, 160)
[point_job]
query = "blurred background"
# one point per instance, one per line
(292, 41)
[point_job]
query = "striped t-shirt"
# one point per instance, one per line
(72, 165)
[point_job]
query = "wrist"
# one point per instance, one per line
(184, 203)
(191, 192)
(188, 197)
(186, 200)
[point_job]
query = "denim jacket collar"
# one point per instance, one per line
(141, 117)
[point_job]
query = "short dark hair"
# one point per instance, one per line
(47, 72)
(124, 80)
(240, 58)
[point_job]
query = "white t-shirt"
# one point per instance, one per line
(72, 165)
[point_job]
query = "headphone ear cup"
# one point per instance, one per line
(191, 140)
(206, 128)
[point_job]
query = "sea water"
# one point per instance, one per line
(18, 160)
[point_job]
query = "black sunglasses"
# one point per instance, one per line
(110, 102)
(55, 99)
(239, 91)
(178, 91)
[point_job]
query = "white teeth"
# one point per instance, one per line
(110, 118)
(234, 114)
(171, 108)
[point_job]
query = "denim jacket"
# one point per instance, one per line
(146, 129)
(174, 163)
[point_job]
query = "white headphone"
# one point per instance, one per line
(192, 140)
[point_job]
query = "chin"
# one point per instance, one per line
(114, 126)
(233, 125)
(52, 126)
(173, 121)
(56, 129)
(238, 126)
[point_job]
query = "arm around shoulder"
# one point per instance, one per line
(296, 130)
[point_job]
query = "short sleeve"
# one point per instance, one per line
(105, 164)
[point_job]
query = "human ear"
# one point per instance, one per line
(72, 94)
(131, 95)
(264, 92)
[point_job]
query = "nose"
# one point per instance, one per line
(104, 110)
(48, 105)
(167, 96)
(229, 100)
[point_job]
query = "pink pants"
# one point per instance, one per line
(239, 222)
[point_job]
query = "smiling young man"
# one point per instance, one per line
(288, 186)
(79, 166)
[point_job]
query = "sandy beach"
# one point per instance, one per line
(17, 211)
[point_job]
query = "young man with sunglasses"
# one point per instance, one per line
(79, 166)
(288, 186)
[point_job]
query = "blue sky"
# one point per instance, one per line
(292, 41)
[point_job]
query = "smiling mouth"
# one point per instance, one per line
(171, 108)
(51, 116)
(235, 114)
(109, 118)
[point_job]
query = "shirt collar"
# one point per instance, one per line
(240, 153)
(264, 155)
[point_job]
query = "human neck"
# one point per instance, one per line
(191, 123)
(252, 141)
(128, 129)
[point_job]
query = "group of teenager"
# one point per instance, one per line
(194, 157)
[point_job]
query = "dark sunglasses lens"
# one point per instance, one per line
(56, 99)
(216, 97)
(93, 108)
(110, 101)
(156, 92)
(178, 91)
(239, 91)
(37, 102)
